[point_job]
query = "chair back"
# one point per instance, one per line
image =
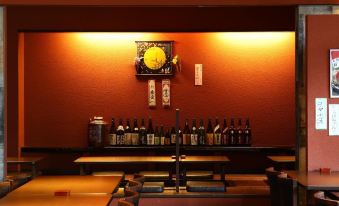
(288, 190)
(124, 203)
(140, 178)
(321, 200)
(134, 186)
(272, 178)
(131, 196)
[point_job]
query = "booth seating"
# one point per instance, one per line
(199, 175)
(149, 187)
(17, 179)
(5, 188)
(205, 186)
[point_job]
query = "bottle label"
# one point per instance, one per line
(167, 141)
(186, 139)
(150, 139)
(120, 139)
(112, 139)
(135, 139)
(217, 138)
(128, 138)
(173, 138)
(209, 139)
(156, 140)
(162, 140)
(194, 139)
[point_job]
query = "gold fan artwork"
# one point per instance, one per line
(155, 58)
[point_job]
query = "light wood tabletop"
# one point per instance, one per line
(124, 159)
(315, 180)
(49, 200)
(282, 159)
(75, 184)
(23, 160)
(204, 159)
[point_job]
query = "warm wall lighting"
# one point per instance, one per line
(255, 39)
(110, 37)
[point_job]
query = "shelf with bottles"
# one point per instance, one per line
(215, 135)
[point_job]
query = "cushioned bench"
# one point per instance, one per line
(153, 187)
(205, 186)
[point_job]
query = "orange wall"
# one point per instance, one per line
(322, 35)
(70, 77)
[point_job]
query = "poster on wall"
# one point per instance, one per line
(333, 119)
(334, 73)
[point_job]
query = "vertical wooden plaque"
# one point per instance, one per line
(151, 93)
(166, 91)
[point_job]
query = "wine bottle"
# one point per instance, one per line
(112, 136)
(162, 135)
(225, 133)
(240, 134)
(194, 133)
(150, 133)
(231, 134)
(247, 133)
(201, 133)
(180, 136)
(128, 133)
(156, 136)
(217, 133)
(168, 138)
(120, 133)
(209, 135)
(173, 136)
(143, 133)
(135, 134)
(186, 138)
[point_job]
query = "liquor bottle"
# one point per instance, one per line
(120, 133)
(162, 135)
(112, 136)
(201, 133)
(186, 138)
(135, 134)
(180, 136)
(150, 133)
(225, 133)
(168, 138)
(231, 134)
(143, 133)
(156, 136)
(128, 133)
(217, 133)
(209, 135)
(194, 133)
(240, 134)
(173, 136)
(247, 133)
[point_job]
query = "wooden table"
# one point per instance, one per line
(50, 200)
(83, 161)
(47, 185)
(221, 160)
(32, 161)
(316, 180)
(282, 162)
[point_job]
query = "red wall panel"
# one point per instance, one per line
(322, 35)
(70, 77)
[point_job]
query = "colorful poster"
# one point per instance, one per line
(334, 73)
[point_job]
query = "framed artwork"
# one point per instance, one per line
(334, 73)
(154, 58)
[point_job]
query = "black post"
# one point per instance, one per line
(177, 175)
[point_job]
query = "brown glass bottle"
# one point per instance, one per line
(120, 133)
(217, 133)
(150, 133)
(231, 134)
(201, 133)
(135, 134)
(240, 134)
(209, 133)
(224, 140)
(247, 133)
(186, 138)
(194, 133)
(173, 136)
(143, 133)
(168, 138)
(128, 133)
(162, 135)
